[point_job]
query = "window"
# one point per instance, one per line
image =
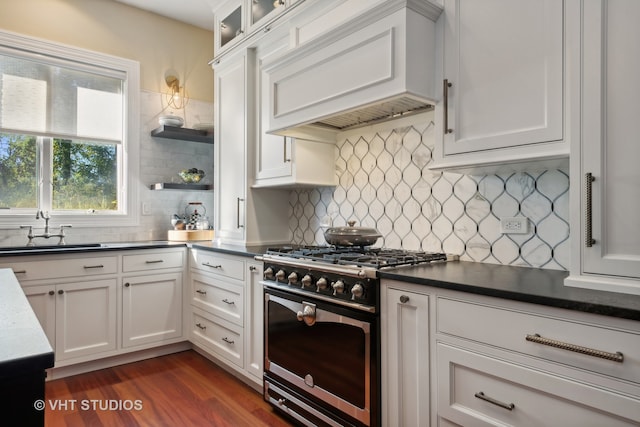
(69, 122)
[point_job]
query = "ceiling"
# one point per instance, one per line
(195, 12)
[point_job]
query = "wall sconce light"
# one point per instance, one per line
(177, 97)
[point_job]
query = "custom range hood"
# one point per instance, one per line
(378, 66)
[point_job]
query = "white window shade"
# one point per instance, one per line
(24, 104)
(99, 114)
(51, 100)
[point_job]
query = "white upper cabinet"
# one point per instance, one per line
(605, 178)
(229, 25)
(502, 89)
(230, 148)
(282, 161)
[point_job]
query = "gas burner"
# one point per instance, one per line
(358, 256)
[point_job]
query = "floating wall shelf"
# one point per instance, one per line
(183, 134)
(177, 186)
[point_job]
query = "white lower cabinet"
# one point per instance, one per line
(226, 311)
(405, 356)
(104, 304)
(151, 309)
(494, 362)
(78, 318)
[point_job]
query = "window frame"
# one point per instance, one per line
(27, 46)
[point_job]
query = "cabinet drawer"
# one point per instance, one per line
(152, 260)
(510, 329)
(54, 268)
(216, 263)
(219, 336)
(218, 297)
(475, 389)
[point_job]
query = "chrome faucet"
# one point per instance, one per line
(47, 234)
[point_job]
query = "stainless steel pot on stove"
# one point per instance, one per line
(351, 235)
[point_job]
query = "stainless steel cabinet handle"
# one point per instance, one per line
(507, 406)
(404, 299)
(445, 97)
(227, 340)
(206, 264)
(588, 181)
(155, 261)
(238, 212)
(226, 301)
(615, 357)
(93, 266)
(284, 150)
(201, 326)
(201, 292)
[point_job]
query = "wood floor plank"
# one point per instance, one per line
(182, 389)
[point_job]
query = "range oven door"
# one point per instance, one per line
(324, 352)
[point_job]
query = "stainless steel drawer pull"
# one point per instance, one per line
(226, 301)
(615, 357)
(93, 266)
(206, 264)
(589, 241)
(201, 326)
(155, 261)
(201, 292)
(228, 341)
(507, 406)
(445, 97)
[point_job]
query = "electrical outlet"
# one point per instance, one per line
(514, 225)
(146, 209)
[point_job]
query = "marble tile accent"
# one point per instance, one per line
(384, 183)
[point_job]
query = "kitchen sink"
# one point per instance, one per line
(48, 247)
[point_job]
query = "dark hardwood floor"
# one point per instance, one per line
(182, 389)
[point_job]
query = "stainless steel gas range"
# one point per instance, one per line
(322, 340)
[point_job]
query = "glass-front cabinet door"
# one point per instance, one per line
(230, 25)
(261, 11)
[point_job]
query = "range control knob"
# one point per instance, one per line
(268, 273)
(307, 280)
(280, 275)
(338, 287)
(293, 278)
(357, 291)
(322, 284)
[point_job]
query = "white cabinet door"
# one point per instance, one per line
(230, 148)
(405, 357)
(503, 62)
(151, 309)
(85, 318)
(609, 237)
(43, 302)
(229, 25)
(254, 329)
(274, 151)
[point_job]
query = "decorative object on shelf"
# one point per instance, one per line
(191, 176)
(169, 120)
(177, 98)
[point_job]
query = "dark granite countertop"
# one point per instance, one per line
(532, 285)
(247, 251)
(24, 347)
(6, 251)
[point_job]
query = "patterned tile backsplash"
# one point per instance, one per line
(384, 183)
